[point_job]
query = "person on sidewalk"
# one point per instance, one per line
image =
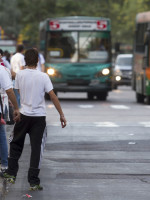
(6, 84)
(17, 63)
(41, 63)
(32, 85)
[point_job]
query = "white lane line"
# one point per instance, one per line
(131, 134)
(131, 142)
(145, 124)
(102, 124)
(120, 107)
(105, 124)
(85, 106)
(147, 107)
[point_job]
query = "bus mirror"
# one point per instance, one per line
(146, 37)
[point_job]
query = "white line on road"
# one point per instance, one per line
(105, 124)
(120, 107)
(145, 124)
(131, 142)
(85, 106)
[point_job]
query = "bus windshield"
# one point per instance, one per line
(122, 61)
(82, 46)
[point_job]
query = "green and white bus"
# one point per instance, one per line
(141, 58)
(77, 51)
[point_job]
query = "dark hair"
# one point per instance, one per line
(20, 48)
(31, 57)
(1, 52)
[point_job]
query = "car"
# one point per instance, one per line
(122, 73)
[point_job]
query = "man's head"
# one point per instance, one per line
(31, 57)
(20, 48)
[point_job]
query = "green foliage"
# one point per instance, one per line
(23, 16)
(9, 17)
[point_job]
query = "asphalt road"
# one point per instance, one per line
(102, 154)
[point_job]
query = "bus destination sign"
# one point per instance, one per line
(77, 25)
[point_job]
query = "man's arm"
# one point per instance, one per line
(42, 67)
(13, 100)
(58, 107)
(13, 74)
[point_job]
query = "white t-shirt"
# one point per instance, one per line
(32, 85)
(5, 81)
(41, 61)
(17, 61)
(6, 63)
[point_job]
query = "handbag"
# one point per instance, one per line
(11, 115)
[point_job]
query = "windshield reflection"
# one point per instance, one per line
(79, 47)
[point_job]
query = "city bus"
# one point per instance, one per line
(77, 51)
(141, 58)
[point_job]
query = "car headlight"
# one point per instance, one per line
(54, 73)
(118, 78)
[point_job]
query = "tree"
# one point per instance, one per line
(9, 18)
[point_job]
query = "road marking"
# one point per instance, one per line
(120, 107)
(105, 124)
(145, 124)
(131, 142)
(86, 106)
(147, 107)
(102, 124)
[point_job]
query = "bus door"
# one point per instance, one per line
(146, 62)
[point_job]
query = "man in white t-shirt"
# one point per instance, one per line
(32, 85)
(17, 63)
(5, 85)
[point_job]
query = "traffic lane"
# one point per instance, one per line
(89, 163)
(87, 112)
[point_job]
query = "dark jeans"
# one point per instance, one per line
(36, 128)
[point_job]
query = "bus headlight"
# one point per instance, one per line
(54, 73)
(51, 71)
(105, 71)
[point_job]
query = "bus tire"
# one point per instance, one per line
(140, 98)
(90, 95)
(102, 96)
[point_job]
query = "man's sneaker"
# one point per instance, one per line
(34, 187)
(9, 178)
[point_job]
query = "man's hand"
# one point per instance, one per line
(16, 115)
(63, 121)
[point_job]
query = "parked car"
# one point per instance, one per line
(122, 70)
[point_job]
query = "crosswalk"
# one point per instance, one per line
(121, 107)
(105, 124)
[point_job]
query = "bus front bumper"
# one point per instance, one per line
(103, 87)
